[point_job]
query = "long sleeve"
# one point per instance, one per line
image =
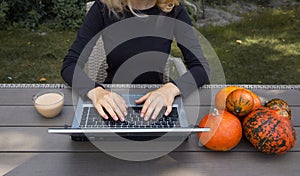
(72, 68)
(197, 65)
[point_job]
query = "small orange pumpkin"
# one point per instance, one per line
(256, 100)
(225, 130)
(281, 107)
(239, 102)
(220, 98)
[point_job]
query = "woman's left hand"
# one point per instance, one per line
(155, 100)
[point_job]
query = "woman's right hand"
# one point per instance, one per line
(113, 103)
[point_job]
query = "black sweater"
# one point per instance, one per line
(137, 48)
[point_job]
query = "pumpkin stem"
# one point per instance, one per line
(215, 112)
(237, 110)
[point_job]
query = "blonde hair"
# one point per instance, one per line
(119, 6)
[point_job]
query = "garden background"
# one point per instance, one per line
(257, 41)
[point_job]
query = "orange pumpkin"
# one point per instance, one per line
(239, 102)
(220, 98)
(256, 100)
(225, 130)
(280, 106)
(268, 132)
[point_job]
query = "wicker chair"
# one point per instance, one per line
(96, 67)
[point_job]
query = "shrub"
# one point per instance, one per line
(3, 11)
(66, 14)
(28, 13)
(69, 13)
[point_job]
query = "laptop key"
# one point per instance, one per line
(170, 123)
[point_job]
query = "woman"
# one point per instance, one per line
(103, 14)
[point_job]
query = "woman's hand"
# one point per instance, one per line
(113, 103)
(155, 100)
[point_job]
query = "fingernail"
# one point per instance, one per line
(125, 113)
(142, 114)
(147, 117)
(115, 118)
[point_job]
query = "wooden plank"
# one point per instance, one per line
(23, 97)
(195, 114)
(28, 116)
(290, 96)
(37, 139)
(177, 164)
(202, 97)
(10, 161)
(207, 96)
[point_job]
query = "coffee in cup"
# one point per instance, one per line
(49, 103)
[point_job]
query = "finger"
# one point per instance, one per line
(150, 99)
(156, 111)
(168, 110)
(119, 113)
(110, 110)
(148, 113)
(116, 109)
(121, 103)
(101, 111)
(150, 109)
(142, 99)
(145, 107)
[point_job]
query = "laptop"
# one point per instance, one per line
(89, 125)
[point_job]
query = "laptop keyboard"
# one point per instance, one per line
(91, 119)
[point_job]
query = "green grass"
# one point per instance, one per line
(27, 56)
(269, 53)
(270, 49)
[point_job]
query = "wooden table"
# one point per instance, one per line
(26, 148)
